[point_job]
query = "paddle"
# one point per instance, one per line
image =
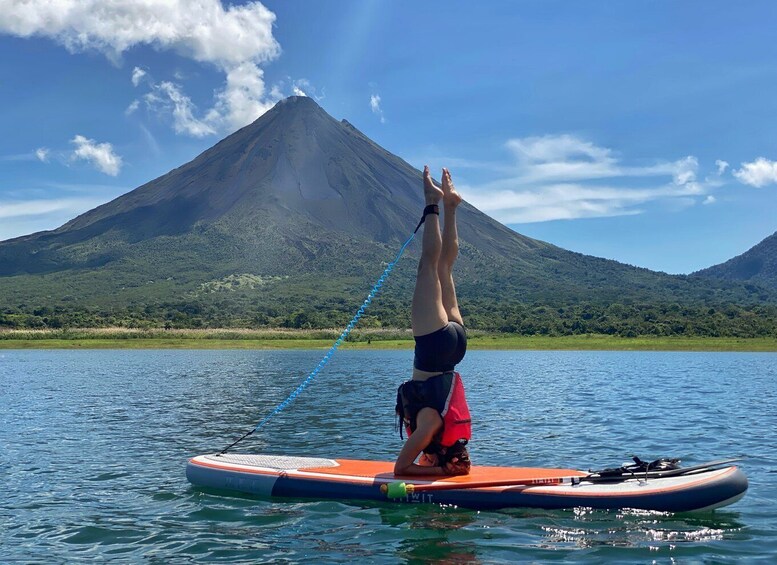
(401, 489)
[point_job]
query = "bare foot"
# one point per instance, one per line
(450, 197)
(432, 194)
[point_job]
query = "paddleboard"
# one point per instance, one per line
(702, 487)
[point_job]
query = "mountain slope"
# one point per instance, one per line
(757, 265)
(298, 212)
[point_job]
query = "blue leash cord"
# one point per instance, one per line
(328, 356)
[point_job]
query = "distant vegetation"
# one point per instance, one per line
(372, 338)
(616, 319)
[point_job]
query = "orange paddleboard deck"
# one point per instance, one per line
(483, 488)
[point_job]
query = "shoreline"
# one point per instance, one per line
(377, 339)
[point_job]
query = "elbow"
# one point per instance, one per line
(400, 468)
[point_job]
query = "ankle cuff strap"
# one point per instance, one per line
(430, 209)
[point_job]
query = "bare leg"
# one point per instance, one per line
(427, 313)
(450, 249)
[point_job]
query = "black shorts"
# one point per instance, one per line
(442, 350)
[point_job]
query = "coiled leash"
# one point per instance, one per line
(431, 209)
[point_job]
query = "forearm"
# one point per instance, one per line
(420, 470)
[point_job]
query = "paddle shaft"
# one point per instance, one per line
(396, 490)
(400, 489)
(485, 484)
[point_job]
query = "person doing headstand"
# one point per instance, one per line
(432, 406)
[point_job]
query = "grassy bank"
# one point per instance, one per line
(124, 338)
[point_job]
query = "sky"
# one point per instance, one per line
(643, 132)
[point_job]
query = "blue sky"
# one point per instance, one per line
(637, 131)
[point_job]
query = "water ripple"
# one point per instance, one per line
(94, 445)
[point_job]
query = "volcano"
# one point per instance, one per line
(295, 211)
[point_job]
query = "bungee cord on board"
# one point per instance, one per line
(375, 289)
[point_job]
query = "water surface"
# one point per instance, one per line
(93, 447)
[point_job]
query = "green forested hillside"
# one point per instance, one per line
(758, 265)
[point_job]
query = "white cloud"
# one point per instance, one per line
(100, 155)
(721, 165)
(757, 173)
(555, 148)
(182, 109)
(554, 158)
(300, 87)
(137, 75)
(205, 32)
(568, 201)
(686, 171)
(235, 39)
(557, 177)
(42, 153)
(22, 217)
(241, 101)
(132, 107)
(15, 209)
(375, 107)
(303, 87)
(709, 200)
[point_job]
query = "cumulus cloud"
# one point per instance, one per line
(137, 75)
(757, 173)
(206, 32)
(556, 177)
(99, 155)
(241, 101)
(709, 200)
(42, 153)
(375, 107)
(235, 39)
(721, 165)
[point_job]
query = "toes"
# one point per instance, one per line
(427, 176)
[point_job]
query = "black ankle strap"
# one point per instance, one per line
(430, 209)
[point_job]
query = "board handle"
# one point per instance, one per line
(397, 489)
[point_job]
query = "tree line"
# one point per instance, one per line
(618, 319)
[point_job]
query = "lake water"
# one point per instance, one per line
(93, 448)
